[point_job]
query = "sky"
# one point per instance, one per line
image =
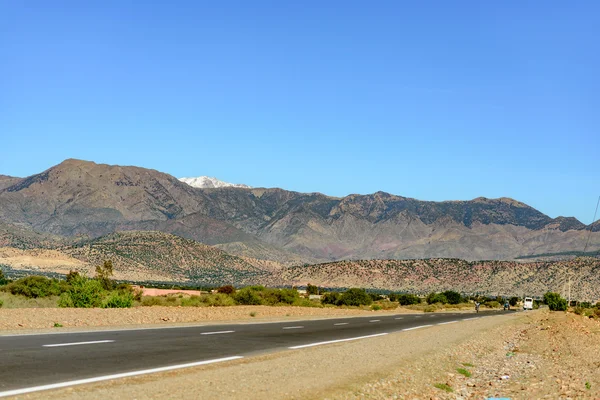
(433, 100)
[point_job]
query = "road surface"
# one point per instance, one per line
(44, 361)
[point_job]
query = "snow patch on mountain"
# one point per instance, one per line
(204, 182)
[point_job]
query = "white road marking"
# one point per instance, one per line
(446, 323)
(432, 316)
(375, 320)
(417, 316)
(341, 323)
(469, 319)
(399, 318)
(416, 327)
(216, 333)
(293, 327)
(115, 376)
(335, 341)
(77, 343)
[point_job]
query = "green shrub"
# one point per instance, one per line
(513, 301)
(408, 299)
(464, 372)
(37, 286)
(149, 301)
(216, 300)
(118, 299)
(104, 273)
(452, 297)
(433, 298)
(375, 307)
(332, 298)
(443, 386)
(355, 297)
(83, 293)
(248, 296)
(1, 303)
(312, 289)
(3, 280)
(376, 296)
(288, 296)
(555, 302)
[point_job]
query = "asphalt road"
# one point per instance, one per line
(30, 361)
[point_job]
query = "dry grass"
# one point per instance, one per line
(13, 301)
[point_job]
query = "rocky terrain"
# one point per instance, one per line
(80, 198)
(501, 278)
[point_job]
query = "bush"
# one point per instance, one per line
(513, 301)
(119, 299)
(355, 297)
(1, 303)
(248, 296)
(104, 273)
(84, 293)
(37, 286)
(149, 301)
(312, 289)
(215, 300)
(332, 298)
(227, 289)
(452, 297)
(408, 299)
(3, 280)
(433, 298)
(555, 302)
(376, 296)
(288, 296)
(376, 307)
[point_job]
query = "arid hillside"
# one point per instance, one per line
(84, 199)
(424, 276)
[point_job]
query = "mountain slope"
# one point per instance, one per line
(87, 199)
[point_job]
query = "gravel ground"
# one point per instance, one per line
(20, 320)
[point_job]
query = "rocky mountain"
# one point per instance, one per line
(80, 198)
(207, 182)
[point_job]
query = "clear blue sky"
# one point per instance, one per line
(435, 100)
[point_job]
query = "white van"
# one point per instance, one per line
(528, 303)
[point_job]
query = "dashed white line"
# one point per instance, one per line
(416, 327)
(216, 333)
(293, 327)
(335, 341)
(77, 343)
(375, 320)
(341, 323)
(446, 323)
(115, 376)
(469, 319)
(417, 316)
(399, 318)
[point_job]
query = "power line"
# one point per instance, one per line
(591, 226)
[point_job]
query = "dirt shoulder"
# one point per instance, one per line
(25, 320)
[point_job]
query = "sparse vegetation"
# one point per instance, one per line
(464, 372)
(444, 387)
(57, 325)
(555, 302)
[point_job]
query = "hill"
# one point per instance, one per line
(159, 256)
(424, 276)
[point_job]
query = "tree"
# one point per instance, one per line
(331, 298)
(71, 276)
(103, 274)
(513, 301)
(227, 289)
(452, 296)
(555, 302)
(3, 280)
(355, 297)
(408, 299)
(312, 289)
(434, 297)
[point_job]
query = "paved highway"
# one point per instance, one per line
(45, 361)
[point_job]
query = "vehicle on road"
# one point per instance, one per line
(528, 303)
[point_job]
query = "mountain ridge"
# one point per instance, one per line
(79, 197)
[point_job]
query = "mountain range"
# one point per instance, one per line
(205, 182)
(82, 199)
